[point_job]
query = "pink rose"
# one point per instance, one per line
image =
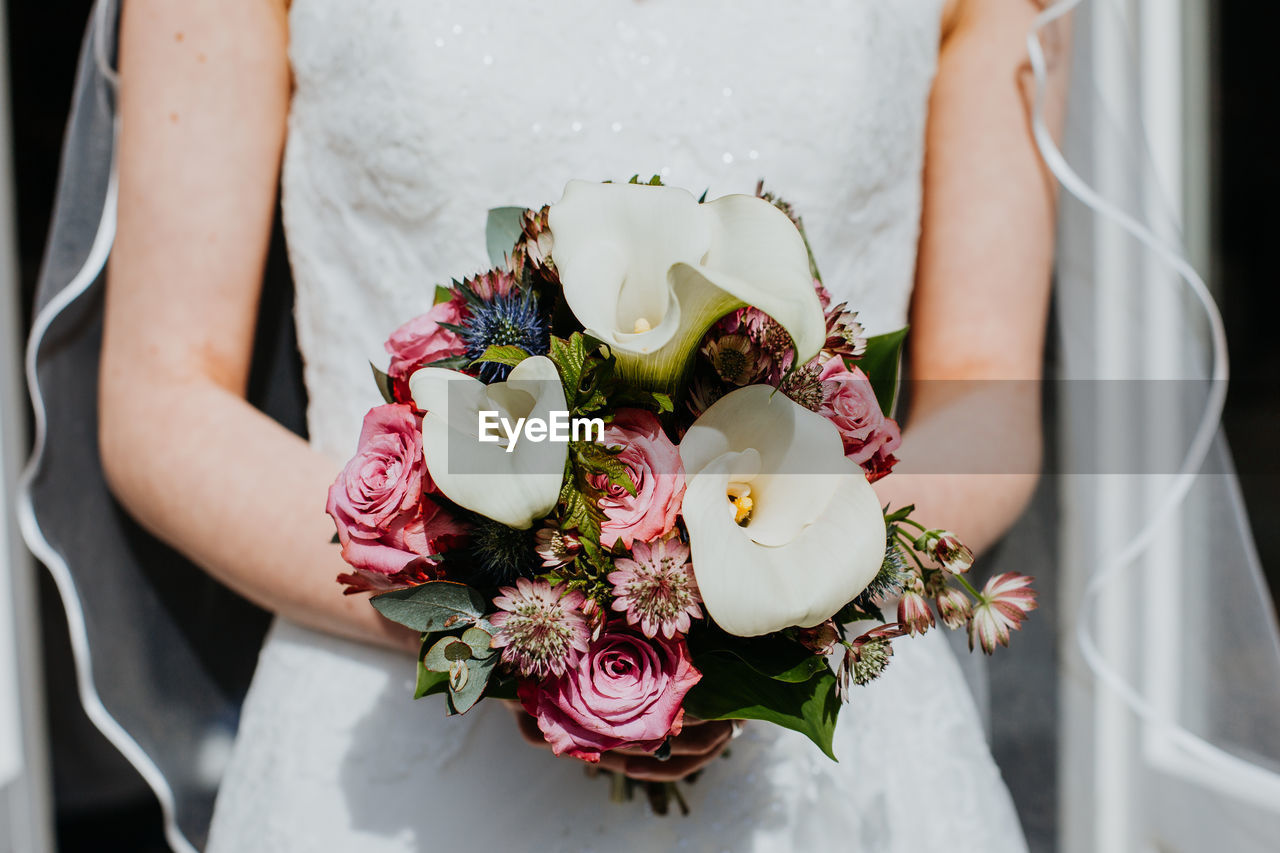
(420, 341)
(850, 403)
(625, 692)
(654, 465)
(378, 502)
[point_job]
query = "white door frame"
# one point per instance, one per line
(1113, 763)
(25, 810)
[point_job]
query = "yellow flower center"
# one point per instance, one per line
(739, 496)
(642, 325)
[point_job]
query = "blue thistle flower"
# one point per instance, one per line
(501, 319)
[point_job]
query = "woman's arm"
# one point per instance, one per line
(982, 287)
(203, 101)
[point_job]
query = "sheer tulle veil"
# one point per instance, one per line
(1153, 539)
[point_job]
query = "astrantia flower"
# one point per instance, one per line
(541, 630)
(948, 550)
(501, 315)
(913, 608)
(1005, 601)
(866, 658)
(656, 589)
(845, 335)
(532, 253)
(555, 546)
(733, 358)
(804, 385)
(954, 607)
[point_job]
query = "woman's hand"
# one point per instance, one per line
(697, 745)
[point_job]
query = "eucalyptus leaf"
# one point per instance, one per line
(432, 606)
(501, 231)
(731, 690)
(463, 700)
(479, 641)
(430, 682)
(384, 383)
(881, 362)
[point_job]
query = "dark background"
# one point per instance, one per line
(102, 804)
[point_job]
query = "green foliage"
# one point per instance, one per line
(897, 515)
(384, 383)
(508, 354)
(502, 229)
(881, 362)
(772, 655)
(432, 606)
(733, 690)
(443, 294)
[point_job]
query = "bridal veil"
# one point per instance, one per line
(1166, 669)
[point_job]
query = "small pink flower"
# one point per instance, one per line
(913, 608)
(495, 282)
(541, 629)
(656, 589)
(421, 341)
(821, 639)
(1005, 601)
(627, 691)
(555, 546)
(378, 503)
(850, 403)
(653, 463)
(954, 607)
(952, 554)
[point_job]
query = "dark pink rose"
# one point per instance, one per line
(654, 465)
(850, 403)
(625, 692)
(384, 519)
(421, 341)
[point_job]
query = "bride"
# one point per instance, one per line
(390, 126)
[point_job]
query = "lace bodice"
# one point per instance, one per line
(410, 119)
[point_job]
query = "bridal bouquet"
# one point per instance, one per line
(625, 475)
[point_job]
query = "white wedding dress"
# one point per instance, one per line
(412, 117)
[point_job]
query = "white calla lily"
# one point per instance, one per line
(648, 269)
(814, 533)
(515, 488)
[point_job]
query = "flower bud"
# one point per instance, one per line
(954, 607)
(913, 608)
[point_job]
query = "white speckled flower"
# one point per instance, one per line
(656, 589)
(541, 629)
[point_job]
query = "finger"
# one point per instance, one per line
(706, 739)
(651, 770)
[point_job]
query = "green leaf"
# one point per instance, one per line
(731, 690)
(597, 459)
(453, 362)
(432, 606)
(664, 402)
(430, 683)
(384, 383)
(461, 701)
(443, 294)
(480, 641)
(508, 354)
(335, 540)
(501, 231)
(773, 655)
(444, 652)
(899, 514)
(881, 362)
(569, 357)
